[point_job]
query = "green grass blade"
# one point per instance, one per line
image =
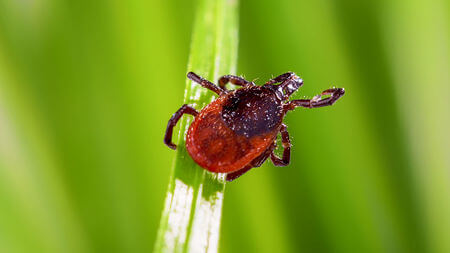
(191, 217)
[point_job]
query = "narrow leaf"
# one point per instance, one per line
(191, 217)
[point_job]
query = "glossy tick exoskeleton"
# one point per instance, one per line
(238, 130)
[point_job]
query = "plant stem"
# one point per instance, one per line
(190, 220)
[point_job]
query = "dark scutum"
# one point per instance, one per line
(252, 111)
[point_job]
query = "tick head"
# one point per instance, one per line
(291, 85)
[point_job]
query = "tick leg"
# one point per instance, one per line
(173, 121)
(233, 175)
(287, 149)
(236, 80)
(205, 83)
(257, 162)
(317, 101)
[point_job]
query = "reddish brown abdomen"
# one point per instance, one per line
(218, 148)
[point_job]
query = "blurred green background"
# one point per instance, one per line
(87, 87)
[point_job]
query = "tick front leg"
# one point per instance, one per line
(173, 121)
(317, 101)
(205, 83)
(236, 80)
(286, 142)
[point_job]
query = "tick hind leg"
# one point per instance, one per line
(233, 175)
(286, 142)
(317, 101)
(173, 121)
(236, 80)
(257, 162)
(205, 83)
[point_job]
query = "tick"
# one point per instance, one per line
(238, 130)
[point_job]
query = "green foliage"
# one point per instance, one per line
(191, 218)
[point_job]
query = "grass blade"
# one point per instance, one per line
(192, 212)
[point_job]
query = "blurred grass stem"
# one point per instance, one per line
(191, 217)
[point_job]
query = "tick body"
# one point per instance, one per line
(238, 130)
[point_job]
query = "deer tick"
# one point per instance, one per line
(238, 130)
